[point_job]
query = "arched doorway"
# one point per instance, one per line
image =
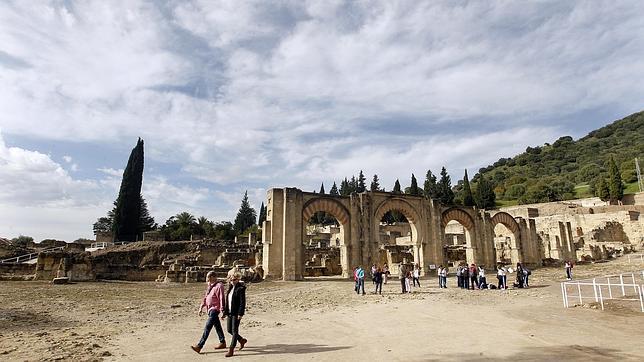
(397, 234)
(457, 228)
(506, 239)
(325, 236)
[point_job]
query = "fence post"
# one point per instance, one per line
(641, 301)
(601, 297)
(634, 282)
(579, 290)
(595, 290)
(563, 294)
(621, 281)
(610, 292)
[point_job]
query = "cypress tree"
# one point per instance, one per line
(361, 186)
(601, 190)
(485, 196)
(413, 189)
(262, 215)
(334, 190)
(397, 189)
(322, 189)
(246, 216)
(444, 189)
(430, 187)
(615, 184)
(375, 183)
(128, 207)
(468, 199)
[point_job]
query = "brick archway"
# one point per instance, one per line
(336, 209)
(506, 220)
(398, 205)
(459, 215)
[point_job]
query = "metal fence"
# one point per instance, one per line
(25, 258)
(623, 287)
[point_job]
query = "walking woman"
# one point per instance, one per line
(213, 300)
(416, 275)
(500, 275)
(235, 309)
(377, 278)
(568, 267)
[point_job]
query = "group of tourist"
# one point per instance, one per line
(231, 304)
(408, 278)
(473, 277)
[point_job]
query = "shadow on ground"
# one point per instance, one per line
(554, 353)
(274, 349)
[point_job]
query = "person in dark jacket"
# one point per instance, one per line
(235, 309)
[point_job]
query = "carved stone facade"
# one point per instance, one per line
(359, 216)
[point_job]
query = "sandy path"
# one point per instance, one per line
(432, 325)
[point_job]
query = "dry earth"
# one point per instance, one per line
(320, 320)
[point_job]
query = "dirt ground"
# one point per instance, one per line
(321, 320)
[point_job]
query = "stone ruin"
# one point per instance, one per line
(171, 261)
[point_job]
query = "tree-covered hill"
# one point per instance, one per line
(567, 168)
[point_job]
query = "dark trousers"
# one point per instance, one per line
(474, 282)
(378, 286)
(482, 281)
(402, 284)
(360, 286)
(459, 281)
(233, 330)
(466, 282)
(416, 281)
(213, 321)
(442, 282)
(501, 284)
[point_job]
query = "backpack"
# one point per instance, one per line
(527, 272)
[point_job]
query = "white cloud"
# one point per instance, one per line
(255, 94)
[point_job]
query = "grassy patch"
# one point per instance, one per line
(504, 203)
(631, 188)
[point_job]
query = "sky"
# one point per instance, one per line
(232, 96)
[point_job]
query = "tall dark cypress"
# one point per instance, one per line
(468, 199)
(485, 196)
(262, 215)
(615, 184)
(322, 189)
(397, 189)
(128, 206)
(430, 188)
(361, 186)
(413, 189)
(375, 183)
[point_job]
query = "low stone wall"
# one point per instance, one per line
(17, 271)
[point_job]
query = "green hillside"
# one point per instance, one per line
(569, 169)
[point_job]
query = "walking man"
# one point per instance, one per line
(213, 300)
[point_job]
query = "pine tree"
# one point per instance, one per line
(246, 216)
(353, 185)
(601, 190)
(334, 190)
(375, 183)
(413, 188)
(430, 188)
(128, 209)
(397, 189)
(361, 185)
(262, 215)
(322, 189)
(485, 196)
(444, 189)
(468, 199)
(146, 221)
(615, 184)
(345, 188)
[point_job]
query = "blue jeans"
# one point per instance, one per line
(213, 320)
(233, 329)
(360, 286)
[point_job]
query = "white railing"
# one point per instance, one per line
(609, 287)
(26, 257)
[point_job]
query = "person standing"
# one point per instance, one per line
(213, 301)
(568, 267)
(500, 275)
(408, 281)
(385, 273)
(234, 311)
(526, 275)
(377, 278)
(416, 275)
(520, 275)
(474, 276)
(360, 275)
(459, 276)
(373, 273)
(482, 280)
(355, 279)
(466, 277)
(439, 271)
(402, 277)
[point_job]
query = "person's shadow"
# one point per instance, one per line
(302, 348)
